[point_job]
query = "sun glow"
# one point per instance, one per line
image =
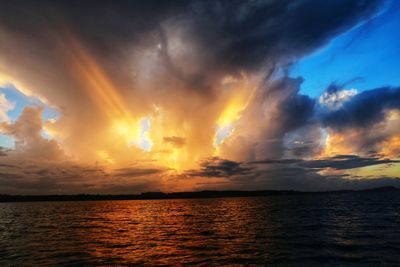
(175, 159)
(150, 129)
(335, 143)
(134, 132)
(240, 96)
(104, 156)
(391, 147)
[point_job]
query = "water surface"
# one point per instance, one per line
(322, 229)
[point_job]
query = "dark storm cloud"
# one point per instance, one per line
(30, 177)
(136, 172)
(302, 151)
(289, 174)
(100, 21)
(217, 167)
(236, 34)
(364, 109)
(276, 161)
(242, 31)
(344, 162)
(338, 162)
(295, 110)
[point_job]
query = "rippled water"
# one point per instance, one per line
(330, 229)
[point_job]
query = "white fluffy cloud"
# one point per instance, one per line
(335, 99)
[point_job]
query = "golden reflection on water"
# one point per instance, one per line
(177, 230)
(277, 230)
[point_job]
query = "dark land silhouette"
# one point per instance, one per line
(179, 195)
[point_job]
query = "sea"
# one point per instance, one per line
(335, 229)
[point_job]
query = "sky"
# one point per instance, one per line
(133, 96)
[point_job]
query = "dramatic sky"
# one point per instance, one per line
(130, 96)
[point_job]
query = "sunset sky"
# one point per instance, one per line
(134, 96)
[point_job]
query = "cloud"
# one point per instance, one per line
(242, 31)
(27, 132)
(294, 174)
(3, 151)
(344, 162)
(367, 123)
(339, 162)
(175, 141)
(217, 167)
(136, 172)
(364, 109)
(189, 69)
(334, 98)
(37, 177)
(5, 106)
(306, 141)
(277, 110)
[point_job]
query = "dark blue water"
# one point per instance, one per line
(306, 230)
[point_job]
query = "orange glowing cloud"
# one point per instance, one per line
(161, 92)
